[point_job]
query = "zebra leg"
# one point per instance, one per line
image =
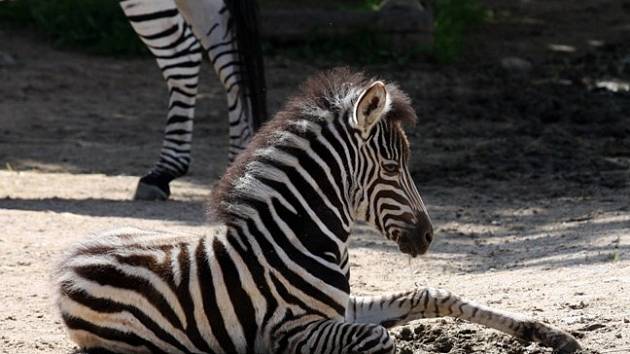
(400, 308)
(336, 337)
(243, 80)
(178, 54)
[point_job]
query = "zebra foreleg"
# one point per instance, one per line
(336, 337)
(400, 308)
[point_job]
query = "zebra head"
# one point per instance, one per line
(385, 195)
(335, 154)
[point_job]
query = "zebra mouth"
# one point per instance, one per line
(415, 239)
(414, 248)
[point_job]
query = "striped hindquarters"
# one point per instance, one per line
(136, 291)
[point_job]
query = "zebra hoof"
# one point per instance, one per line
(549, 336)
(148, 191)
(563, 343)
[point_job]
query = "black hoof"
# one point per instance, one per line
(152, 187)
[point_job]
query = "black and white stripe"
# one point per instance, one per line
(178, 33)
(272, 276)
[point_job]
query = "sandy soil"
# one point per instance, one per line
(525, 173)
(562, 260)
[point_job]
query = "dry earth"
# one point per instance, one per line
(562, 260)
(525, 172)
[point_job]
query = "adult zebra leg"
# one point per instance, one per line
(178, 53)
(229, 33)
(336, 337)
(400, 308)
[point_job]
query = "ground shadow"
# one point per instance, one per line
(187, 212)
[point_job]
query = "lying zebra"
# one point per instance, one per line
(273, 276)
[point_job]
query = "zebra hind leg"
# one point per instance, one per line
(240, 70)
(336, 337)
(178, 53)
(400, 308)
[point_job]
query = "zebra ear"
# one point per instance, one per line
(370, 107)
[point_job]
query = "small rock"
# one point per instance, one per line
(625, 320)
(577, 334)
(466, 331)
(436, 332)
(405, 334)
(405, 350)
(6, 59)
(613, 85)
(516, 65)
(579, 306)
(592, 327)
(443, 344)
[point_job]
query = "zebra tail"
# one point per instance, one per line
(245, 14)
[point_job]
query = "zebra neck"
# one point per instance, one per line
(294, 190)
(275, 237)
(281, 223)
(290, 213)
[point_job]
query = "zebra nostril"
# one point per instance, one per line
(428, 236)
(424, 230)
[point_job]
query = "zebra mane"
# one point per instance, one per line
(323, 97)
(338, 89)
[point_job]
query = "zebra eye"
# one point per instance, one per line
(390, 168)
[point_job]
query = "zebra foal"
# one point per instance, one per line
(272, 277)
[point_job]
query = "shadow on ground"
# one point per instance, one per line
(187, 212)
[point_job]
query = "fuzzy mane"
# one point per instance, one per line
(323, 94)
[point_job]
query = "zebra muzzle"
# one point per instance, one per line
(415, 240)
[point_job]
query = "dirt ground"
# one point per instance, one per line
(524, 165)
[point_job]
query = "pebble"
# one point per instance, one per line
(419, 329)
(578, 306)
(592, 327)
(7, 59)
(443, 344)
(406, 334)
(405, 350)
(516, 65)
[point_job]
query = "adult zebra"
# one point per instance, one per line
(274, 277)
(175, 31)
